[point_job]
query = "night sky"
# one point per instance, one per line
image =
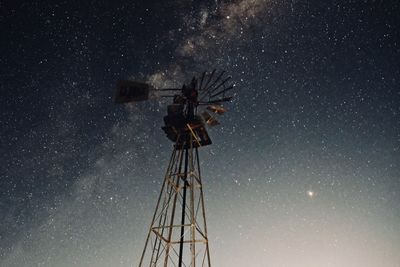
(304, 169)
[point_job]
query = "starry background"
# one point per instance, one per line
(316, 110)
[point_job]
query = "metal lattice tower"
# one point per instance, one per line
(178, 232)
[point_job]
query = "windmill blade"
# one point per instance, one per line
(216, 109)
(214, 83)
(221, 84)
(209, 79)
(202, 79)
(217, 101)
(208, 89)
(208, 119)
(215, 89)
(223, 91)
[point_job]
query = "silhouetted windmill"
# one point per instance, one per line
(178, 230)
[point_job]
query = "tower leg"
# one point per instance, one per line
(185, 186)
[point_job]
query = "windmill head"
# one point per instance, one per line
(185, 119)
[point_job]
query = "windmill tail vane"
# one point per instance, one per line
(177, 234)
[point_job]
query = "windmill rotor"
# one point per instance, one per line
(186, 115)
(207, 89)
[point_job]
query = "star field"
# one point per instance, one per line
(303, 170)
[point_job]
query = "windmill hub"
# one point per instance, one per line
(182, 122)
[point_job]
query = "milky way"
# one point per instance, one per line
(303, 170)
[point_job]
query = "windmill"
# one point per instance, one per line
(178, 231)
